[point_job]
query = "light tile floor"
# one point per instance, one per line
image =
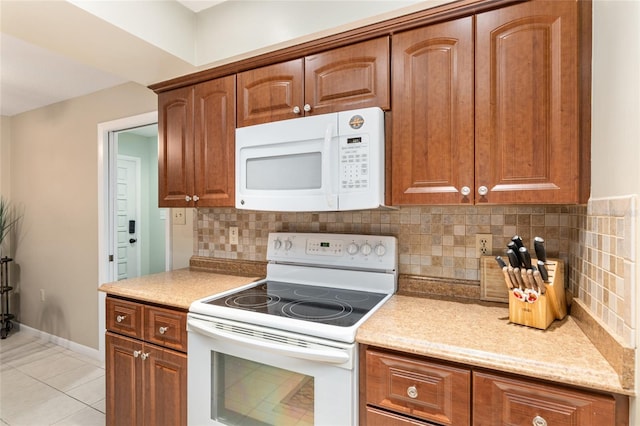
(45, 384)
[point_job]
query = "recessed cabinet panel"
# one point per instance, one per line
(270, 93)
(166, 378)
(527, 103)
(433, 392)
(433, 116)
(175, 136)
(503, 401)
(215, 142)
(350, 77)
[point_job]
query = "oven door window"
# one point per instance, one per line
(249, 393)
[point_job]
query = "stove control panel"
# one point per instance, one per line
(344, 250)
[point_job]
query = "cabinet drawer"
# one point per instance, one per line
(429, 391)
(377, 417)
(503, 400)
(166, 327)
(124, 317)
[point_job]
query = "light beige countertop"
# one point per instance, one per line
(175, 288)
(481, 335)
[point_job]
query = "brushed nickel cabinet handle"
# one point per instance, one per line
(412, 392)
(539, 421)
(120, 318)
(163, 330)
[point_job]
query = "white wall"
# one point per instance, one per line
(615, 146)
(54, 159)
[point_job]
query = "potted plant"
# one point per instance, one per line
(7, 219)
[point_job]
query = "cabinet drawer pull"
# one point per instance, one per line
(412, 392)
(144, 356)
(539, 421)
(120, 318)
(196, 198)
(296, 109)
(307, 107)
(163, 330)
(136, 354)
(483, 190)
(465, 191)
(187, 198)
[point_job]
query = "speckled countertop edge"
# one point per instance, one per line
(482, 336)
(177, 289)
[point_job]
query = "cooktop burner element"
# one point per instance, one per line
(325, 305)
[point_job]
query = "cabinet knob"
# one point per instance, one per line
(163, 330)
(465, 190)
(196, 198)
(483, 190)
(144, 356)
(296, 109)
(120, 318)
(187, 198)
(539, 421)
(306, 107)
(136, 354)
(412, 392)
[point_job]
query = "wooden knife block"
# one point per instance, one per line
(549, 307)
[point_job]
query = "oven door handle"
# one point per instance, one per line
(328, 356)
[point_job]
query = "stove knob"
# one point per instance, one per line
(365, 249)
(352, 248)
(277, 244)
(288, 244)
(380, 250)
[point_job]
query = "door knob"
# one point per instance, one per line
(132, 240)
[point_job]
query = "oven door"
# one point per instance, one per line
(241, 374)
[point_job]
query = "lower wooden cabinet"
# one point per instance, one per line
(146, 383)
(501, 400)
(404, 389)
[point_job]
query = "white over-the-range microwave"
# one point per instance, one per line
(328, 162)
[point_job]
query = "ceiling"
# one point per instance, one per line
(34, 73)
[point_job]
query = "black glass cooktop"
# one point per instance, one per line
(324, 305)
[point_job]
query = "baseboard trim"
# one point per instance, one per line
(57, 340)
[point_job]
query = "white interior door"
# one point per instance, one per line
(128, 256)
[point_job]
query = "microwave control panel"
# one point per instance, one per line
(354, 163)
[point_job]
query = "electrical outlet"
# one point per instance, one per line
(233, 235)
(483, 244)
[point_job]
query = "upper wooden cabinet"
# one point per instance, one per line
(527, 122)
(433, 114)
(355, 76)
(492, 122)
(196, 158)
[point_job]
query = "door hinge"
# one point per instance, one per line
(110, 258)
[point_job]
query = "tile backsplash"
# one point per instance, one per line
(439, 242)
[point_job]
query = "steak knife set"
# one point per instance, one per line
(536, 286)
(525, 279)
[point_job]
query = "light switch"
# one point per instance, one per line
(179, 216)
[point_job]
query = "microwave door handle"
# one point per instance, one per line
(326, 164)
(328, 356)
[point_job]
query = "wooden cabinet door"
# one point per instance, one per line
(270, 93)
(214, 158)
(433, 114)
(527, 137)
(355, 76)
(175, 147)
(165, 387)
(504, 401)
(123, 381)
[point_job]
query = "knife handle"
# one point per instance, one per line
(526, 257)
(532, 282)
(538, 246)
(516, 239)
(543, 271)
(521, 284)
(512, 276)
(507, 278)
(541, 286)
(514, 260)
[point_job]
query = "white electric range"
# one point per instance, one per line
(282, 350)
